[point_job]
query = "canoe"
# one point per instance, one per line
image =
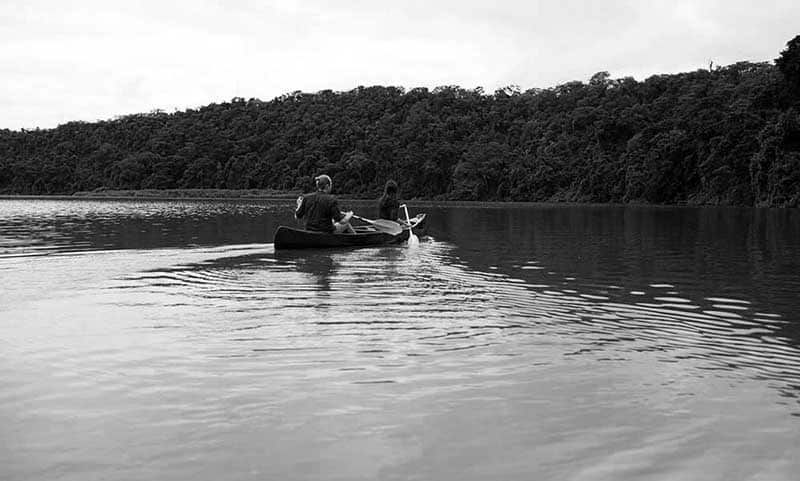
(365, 236)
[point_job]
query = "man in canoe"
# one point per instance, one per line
(320, 209)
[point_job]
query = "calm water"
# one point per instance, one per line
(168, 340)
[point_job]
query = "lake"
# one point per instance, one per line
(168, 340)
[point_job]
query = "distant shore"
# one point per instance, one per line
(276, 195)
(192, 194)
(167, 194)
(244, 194)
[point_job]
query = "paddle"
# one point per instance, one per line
(413, 241)
(383, 225)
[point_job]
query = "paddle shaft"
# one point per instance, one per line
(412, 239)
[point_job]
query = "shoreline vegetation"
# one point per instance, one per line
(725, 135)
(272, 195)
(190, 194)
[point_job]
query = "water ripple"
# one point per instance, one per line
(428, 303)
(545, 331)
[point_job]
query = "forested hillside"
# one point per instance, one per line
(727, 135)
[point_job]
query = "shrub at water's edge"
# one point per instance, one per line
(727, 135)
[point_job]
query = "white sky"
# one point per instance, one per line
(63, 60)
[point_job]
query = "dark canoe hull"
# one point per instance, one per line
(291, 238)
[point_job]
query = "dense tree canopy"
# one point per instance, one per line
(789, 62)
(730, 135)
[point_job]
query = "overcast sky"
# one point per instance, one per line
(66, 60)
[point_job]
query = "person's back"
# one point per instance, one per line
(320, 209)
(388, 205)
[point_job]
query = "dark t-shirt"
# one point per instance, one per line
(388, 208)
(319, 211)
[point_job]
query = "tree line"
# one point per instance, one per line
(726, 135)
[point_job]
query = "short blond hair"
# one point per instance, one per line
(323, 181)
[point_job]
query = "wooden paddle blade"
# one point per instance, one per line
(388, 226)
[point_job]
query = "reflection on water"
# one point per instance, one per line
(318, 265)
(547, 342)
(47, 226)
